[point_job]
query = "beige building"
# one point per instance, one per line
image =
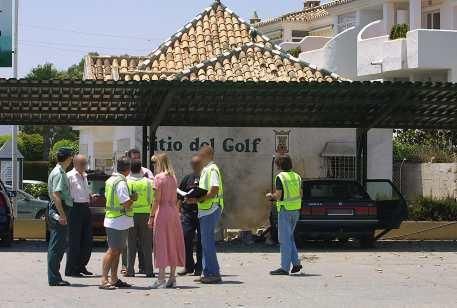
(218, 45)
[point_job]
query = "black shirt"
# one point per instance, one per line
(280, 187)
(187, 183)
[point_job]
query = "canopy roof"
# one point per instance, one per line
(229, 104)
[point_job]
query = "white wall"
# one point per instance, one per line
(248, 174)
(338, 55)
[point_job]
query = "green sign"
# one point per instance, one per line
(6, 37)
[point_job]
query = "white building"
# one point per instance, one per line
(218, 45)
(351, 38)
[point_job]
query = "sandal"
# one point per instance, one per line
(121, 285)
(106, 286)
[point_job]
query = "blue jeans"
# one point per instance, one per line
(287, 220)
(207, 226)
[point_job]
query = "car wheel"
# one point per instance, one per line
(368, 241)
(8, 239)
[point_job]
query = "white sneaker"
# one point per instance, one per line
(159, 284)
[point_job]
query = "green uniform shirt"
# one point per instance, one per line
(58, 182)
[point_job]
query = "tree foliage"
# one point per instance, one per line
(425, 145)
(64, 143)
(30, 145)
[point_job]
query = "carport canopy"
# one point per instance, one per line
(361, 105)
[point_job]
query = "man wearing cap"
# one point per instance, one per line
(61, 202)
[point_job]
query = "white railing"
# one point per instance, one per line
(307, 44)
(374, 29)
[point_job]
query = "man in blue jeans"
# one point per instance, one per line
(288, 194)
(210, 208)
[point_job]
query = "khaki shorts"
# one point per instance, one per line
(117, 239)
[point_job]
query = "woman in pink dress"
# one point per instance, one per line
(168, 236)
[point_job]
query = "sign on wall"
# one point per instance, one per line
(6, 37)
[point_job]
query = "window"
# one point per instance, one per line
(298, 35)
(334, 190)
(338, 160)
(339, 167)
(433, 20)
(346, 21)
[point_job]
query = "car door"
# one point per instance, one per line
(392, 207)
(24, 211)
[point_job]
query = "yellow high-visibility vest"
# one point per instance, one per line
(205, 183)
(291, 184)
(114, 209)
(143, 187)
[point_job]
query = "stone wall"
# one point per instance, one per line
(437, 180)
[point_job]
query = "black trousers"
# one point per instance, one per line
(190, 225)
(79, 238)
(56, 249)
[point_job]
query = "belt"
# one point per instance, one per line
(81, 203)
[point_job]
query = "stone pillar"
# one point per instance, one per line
(388, 15)
(415, 14)
(446, 18)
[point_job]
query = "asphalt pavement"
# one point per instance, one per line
(396, 274)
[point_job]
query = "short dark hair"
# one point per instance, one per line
(63, 154)
(123, 164)
(132, 151)
(136, 166)
(284, 162)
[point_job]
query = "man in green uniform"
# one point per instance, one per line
(61, 201)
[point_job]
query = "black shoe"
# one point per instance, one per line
(197, 273)
(150, 275)
(86, 272)
(184, 272)
(279, 272)
(76, 275)
(211, 280)
(296, 269)
(61, 283)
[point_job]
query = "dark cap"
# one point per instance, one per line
(65, 152)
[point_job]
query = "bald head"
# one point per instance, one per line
(206, 154)
(80, 163)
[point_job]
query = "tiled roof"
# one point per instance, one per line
(217, 33)
(305, 15)
(255, 62)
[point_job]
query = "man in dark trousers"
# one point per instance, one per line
(190, 223)
(79, 225)
(59, 193)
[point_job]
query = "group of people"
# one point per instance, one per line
(143, 216)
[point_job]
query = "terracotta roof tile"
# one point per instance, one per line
(216, 45)
(255, 62)
(305, 15)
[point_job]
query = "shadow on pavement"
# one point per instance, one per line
(311, 246)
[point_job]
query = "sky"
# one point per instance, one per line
(63, 32)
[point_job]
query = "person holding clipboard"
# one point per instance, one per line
(210, 206)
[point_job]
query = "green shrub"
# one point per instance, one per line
(422, 153)
(295, 52)
(36, 190)
(61, 144)
(426, 208)
(30, 145)
(398, 31)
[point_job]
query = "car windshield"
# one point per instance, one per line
(334, 191)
